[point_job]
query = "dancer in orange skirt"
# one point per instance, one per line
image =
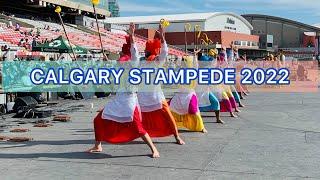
(120, 120)
(156, 115)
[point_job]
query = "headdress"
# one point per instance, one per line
(213, 52)
(126, 54)
(153, 48)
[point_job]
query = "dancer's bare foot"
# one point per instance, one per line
(204, 130)
(241, 105)
(233, 115)
(95, 149)
(146, 138)
(180, 141)
(155, 154)
(237, 110)
(220, 121)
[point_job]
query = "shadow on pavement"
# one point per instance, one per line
(68, 155)
(57, 143)
(9, 145)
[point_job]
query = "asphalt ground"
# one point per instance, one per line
(277, 136)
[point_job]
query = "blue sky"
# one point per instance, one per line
(306, 11)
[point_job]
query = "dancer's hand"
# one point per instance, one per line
(132, 29)
(161, 29)
(231, 44)
(196, 51)
(162, 32)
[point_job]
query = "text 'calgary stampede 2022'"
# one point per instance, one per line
(135, 76)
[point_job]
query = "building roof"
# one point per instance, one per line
(317, 25)
(172, 18)
(309, 27)
(77, 5)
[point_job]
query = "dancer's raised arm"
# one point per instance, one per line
(135, 57)
(195, 58)
(164, 47)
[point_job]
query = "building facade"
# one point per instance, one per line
(114, 8)
(221, 28)
(279, 33)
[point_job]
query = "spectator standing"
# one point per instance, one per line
(5, 52)
(38, 32)
(282, 57)
(10, 25)
(1, 53)
(34, 43)
(16, 58)
(30, 32)
(27, 44)
(21, 42)
(17, 27)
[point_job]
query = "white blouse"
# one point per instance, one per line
(122, 106)
(151, 99)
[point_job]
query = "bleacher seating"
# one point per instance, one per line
(112, 42)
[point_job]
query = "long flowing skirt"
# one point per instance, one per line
(193, 120)
(231, 97)
(225, 105)
(240, 87)
(214, 104)
(236, 97)
(115, 132)
(159, 123)
(235, 94)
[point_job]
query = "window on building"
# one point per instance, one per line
(254, 44)
(243, 43)
(237, 43)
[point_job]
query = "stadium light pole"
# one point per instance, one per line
(207, 42)
(197, 35)
(58, 11)
(94, 4)
(187, 27)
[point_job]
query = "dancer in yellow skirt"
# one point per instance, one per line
(185, 107)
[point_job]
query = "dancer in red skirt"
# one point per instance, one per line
(156, 115)
(120, 121)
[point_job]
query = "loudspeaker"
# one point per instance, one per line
(36, 95)
(24, 102)
(102, 94)
(86, 95)
(66, 95)
(31, 113)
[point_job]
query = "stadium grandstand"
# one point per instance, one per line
(44, 8)
(25, 23)
(276, 33)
